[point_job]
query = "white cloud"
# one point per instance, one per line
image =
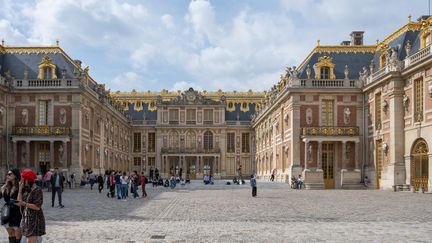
(167, 20)
(9, 34)
(184, 85)
(199, 43)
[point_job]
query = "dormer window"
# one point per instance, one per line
(382, 60)
(324, 69)
(47, 69)
(425, 39)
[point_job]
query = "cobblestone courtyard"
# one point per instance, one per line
(228, 213)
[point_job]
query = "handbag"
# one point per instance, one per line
(5, 213)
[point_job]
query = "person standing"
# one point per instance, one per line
(92, 179)
(57, 187)
(30, 197)
(9, 192)
(143, 184)
(253, 185)
(100, 181)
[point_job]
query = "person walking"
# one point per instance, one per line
(124, 186)
(118, 184)
(30, 197)
(9, 192)
(143, 184)
(273, 174)
(100, 181)
(92, 179)
(57, 187)
(253, 185)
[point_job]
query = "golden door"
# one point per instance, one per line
(378, 162)
(328, 165)
(191, 167)
(420, 166)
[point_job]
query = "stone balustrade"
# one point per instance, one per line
(328, 83)
(44, 83)
(190, 150)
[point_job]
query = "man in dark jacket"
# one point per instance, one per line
(57, 186)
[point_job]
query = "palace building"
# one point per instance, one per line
(352, 111)
(346, 113)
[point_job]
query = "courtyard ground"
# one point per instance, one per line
(228, 213)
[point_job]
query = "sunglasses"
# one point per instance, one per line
(9, 174)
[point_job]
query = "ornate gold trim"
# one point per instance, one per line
(244, 106)
(339, 49)
(324, 61)
(47, 63)
(32, 50)
(412, 26)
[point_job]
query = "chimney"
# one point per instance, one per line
(357, 38)
(345, 43)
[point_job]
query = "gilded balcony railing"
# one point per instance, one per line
(190, 150)
(330, 131)
(41, 131)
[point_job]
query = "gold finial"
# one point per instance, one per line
(57, 42)
(409, 18)
(318, 42)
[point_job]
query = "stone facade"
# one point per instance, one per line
(351, 113)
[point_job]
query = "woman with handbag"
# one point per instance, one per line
(30, 197)
(11, 213)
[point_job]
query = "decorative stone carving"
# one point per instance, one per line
(24, 116)
(308, 71)
(347, 116)
(286, 118)
(346, 72)
(371, 67)
(309, 152)
(62, 116)
(430, 89)
(309, 116)
(385, 105)
(385, 148)
(87, 147)
(406, 101)
(394, 61)
(408, 48)
(25, 73)
(363, 75)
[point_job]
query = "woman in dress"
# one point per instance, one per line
(9, 192)
(30, 197)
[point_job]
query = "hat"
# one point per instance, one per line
(28, 175)
(16, 173)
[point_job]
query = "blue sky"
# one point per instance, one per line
(205, 44)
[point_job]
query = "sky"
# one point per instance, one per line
(204, 44)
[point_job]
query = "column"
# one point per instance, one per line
(184, 167)
(219, 165)
(27, 153)
(15, 155)
(51, 154)
(319, 157)
(196, 165)
(357, 156)
(214, 165)
(343, 155)
(65, 155)
(306, 157)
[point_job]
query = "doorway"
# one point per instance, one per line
(420, 165)
(328, 165)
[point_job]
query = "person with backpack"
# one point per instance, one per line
(9, 191)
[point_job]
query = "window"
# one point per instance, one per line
(418, 95)
(425, 39)
(230, 142)
(245, 143)
(327, 114)
(47, 72)
(378, 111)
(137, 161)
(190, 116)
(173, 116)
(151, 142)
(208, 116)
(44, 112)
(208, 140)
(137, 142)
(174, 140)
(325, 73)
(382, 60)
(191, 140)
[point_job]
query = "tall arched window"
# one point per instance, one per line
(208, 140)
(174, 140)
(191, 140)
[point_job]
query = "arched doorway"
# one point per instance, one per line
(419, 165)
